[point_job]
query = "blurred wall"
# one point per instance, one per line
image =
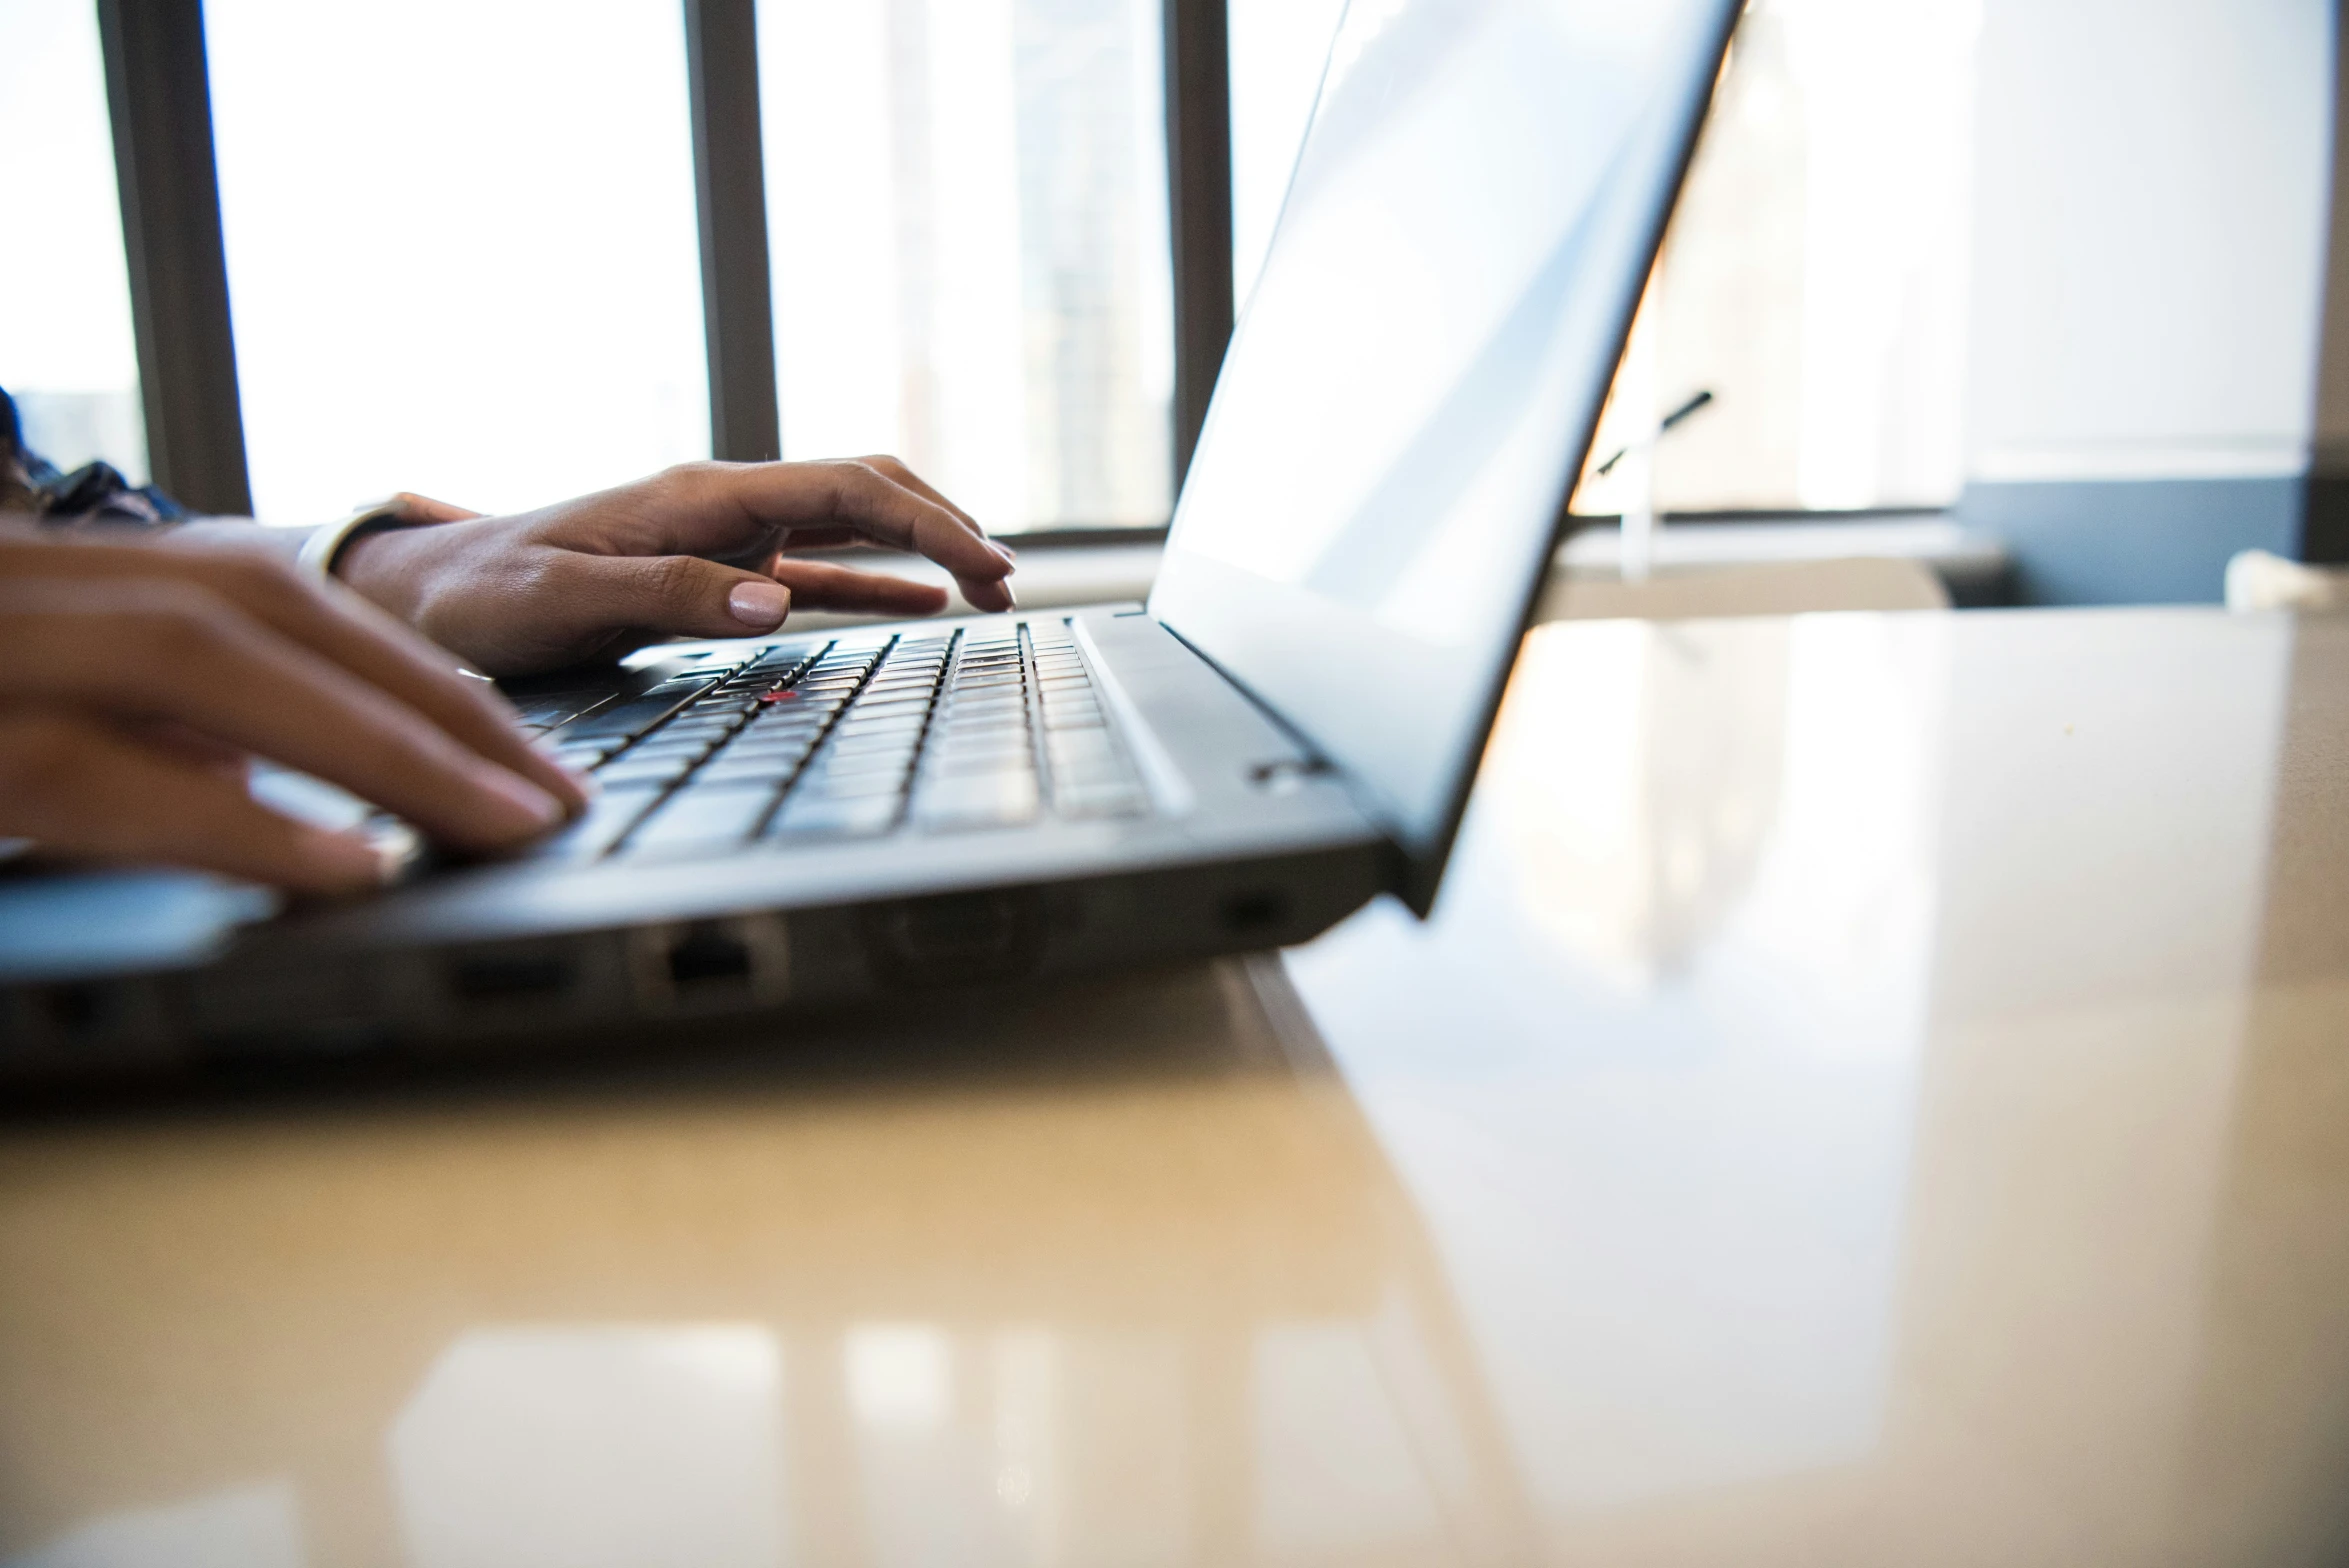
(2152, 198)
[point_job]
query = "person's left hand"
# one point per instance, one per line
(700, 550)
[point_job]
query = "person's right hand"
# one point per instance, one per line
(137, 674)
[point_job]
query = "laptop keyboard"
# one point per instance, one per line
(937, 732)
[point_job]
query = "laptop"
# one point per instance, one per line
(1286, 730)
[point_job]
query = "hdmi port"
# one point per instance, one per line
(512, 977)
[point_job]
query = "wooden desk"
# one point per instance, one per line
(1876, 1090)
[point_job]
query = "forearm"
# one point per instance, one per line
(285, 542)
(282, 542)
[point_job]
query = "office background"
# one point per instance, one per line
(2057, 270)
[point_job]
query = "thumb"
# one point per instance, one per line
(685, 596)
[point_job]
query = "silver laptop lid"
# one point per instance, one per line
(1407, 402)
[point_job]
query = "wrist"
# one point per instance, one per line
(382, 564)
(326, 543)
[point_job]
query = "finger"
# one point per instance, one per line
(820, 538)
(895, 469)
(855, 496)
(419, 509)
(817, 585)
(676, 595)
(192, 746)
(82, 790)
(986, 590)
(370, 643)
(340, 625)
(156, 650)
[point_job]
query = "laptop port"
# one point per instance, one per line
(707, 955)
(712, 964)
(77, 1011)
(958, 937)
(1260, 909)
(512, 977)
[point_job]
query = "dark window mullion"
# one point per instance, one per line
(1199, 196)
(160, 101)
(730, 193)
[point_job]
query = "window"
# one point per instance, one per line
(1277, 50)
(1813, 280)
(461, 245)
(462, 248)
(967, 207)
(66, 350)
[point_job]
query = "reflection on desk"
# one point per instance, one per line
(1874, 1090)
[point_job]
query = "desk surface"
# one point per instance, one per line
(1876, 1090)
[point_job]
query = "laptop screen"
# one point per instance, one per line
(1405, 406)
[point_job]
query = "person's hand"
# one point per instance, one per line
(137, 676)
(700, 550)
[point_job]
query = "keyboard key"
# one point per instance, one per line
(698, 819)
(784, 704)
(852, 736)
(979, 766)
(979, 801)
(772, 770)
(721, 719)
(552, 711)
(1014, 746)
(1116, 800)
(728, 713)
(775, 737)
(633, 773)
(815, 817)
(874, 732)
(780, 660)
(842, 763)
(881, 746)
(612, 776)
(778, 755)
(986, 714)
(681, 738)
(632, 717)
(830, 772)
(597, 829)
(850, 786)
(1081, 743)
(1010, 739)
(870, 749)
(586, 754)
(665, 743)
(1090, 769)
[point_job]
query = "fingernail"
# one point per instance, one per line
(353, 864)
(759, 606)
(1011, 601)
(533, 805)
(1004, 552)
